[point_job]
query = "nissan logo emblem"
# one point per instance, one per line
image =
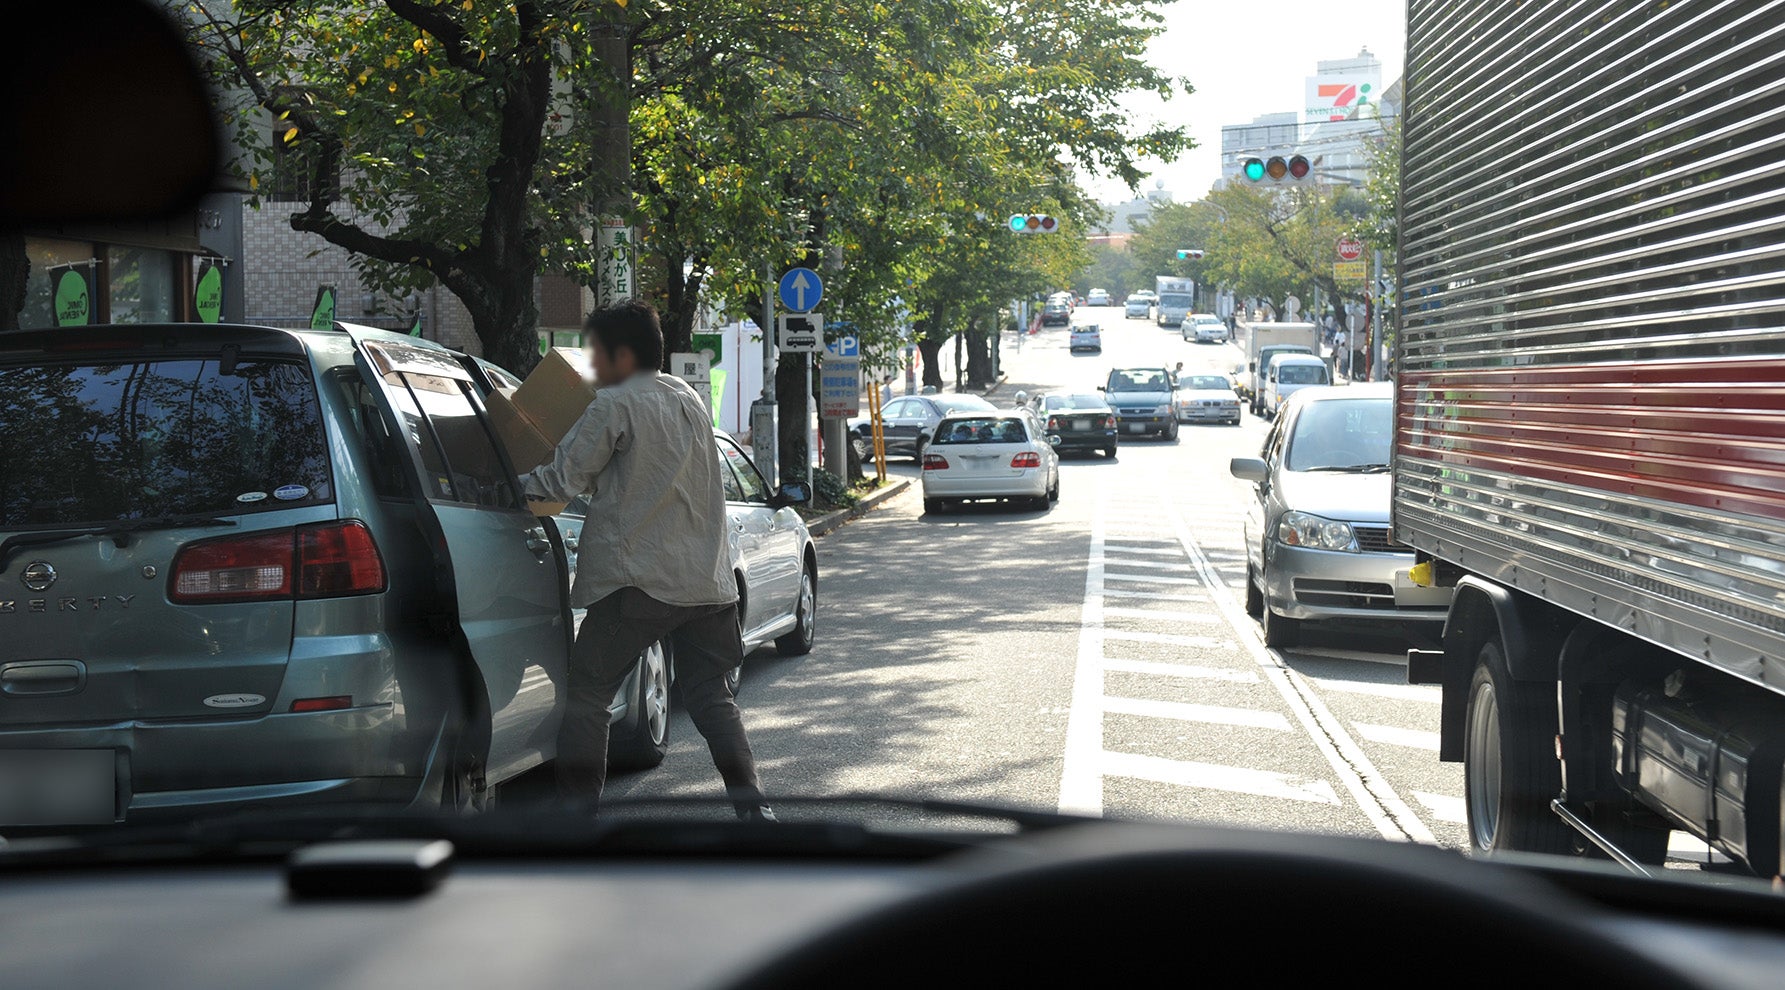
(38, 575)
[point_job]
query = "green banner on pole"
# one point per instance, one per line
(207, 295)
(712, 345)
(74, 298)
(415, 326)
(716, 381)
(322, 316)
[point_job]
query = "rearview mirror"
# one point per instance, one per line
(791, 493)
(1249, 469)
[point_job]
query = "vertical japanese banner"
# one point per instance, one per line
(613, 255)
(718, 386)
(207, 292)
(71, 295)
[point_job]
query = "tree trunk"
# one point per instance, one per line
(929, 344)
(979, 354)
(678, 318)
(15, 274)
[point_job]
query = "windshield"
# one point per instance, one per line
(981, 430)
(1139, 380)
(1340, 433)
(89, 443)
(1301, 374)
(1535, 250)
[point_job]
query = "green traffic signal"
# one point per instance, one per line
(1019, 223)
(1254, 170)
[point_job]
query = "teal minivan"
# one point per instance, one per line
(243, 566)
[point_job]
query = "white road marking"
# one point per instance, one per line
(1171, 551)
(1184, 712)
(1398, 692)
(1151, 579)
(1686, 846)
(1113, 561)
(1081, 772)
(1443, 807)
(1170, 639)
(1362, 656)
(1394, 735)
(1158, 596)
(1118, 611)
(1241, 780)
(1380, 804)
(1179, 670)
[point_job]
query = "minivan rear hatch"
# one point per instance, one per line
(124, 447)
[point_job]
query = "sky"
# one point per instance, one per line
(1245, 58)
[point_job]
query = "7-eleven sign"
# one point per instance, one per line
(1337, 99)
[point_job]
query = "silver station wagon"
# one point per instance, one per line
(242, 566)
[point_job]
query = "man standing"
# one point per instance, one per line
(654, 561)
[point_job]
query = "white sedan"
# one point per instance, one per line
(990, 456)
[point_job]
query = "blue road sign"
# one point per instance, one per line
(801, 290)
(841, 342)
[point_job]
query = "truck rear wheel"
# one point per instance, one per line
(1510, 772)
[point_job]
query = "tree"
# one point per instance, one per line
(431, 140)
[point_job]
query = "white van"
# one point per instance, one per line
(1286, 374)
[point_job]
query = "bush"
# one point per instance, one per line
(829, 491)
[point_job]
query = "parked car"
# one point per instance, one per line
(1287, 374)
(908, 422)
(1205, 328)
(1318, 546)
(291, 567)
(1056, 314)
(1097, 297)
(1000, 455)
(1080, 421)
(1206, 399)
(1142, 400)
(1137, 306)
(1086, 337)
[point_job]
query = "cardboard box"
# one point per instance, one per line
(556, 393)
(528, 447)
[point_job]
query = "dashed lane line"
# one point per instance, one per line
(1239, 780)
(1179, 670)
(1394, 735)
(1188, 712)
(1169, 639)
(1395, 692)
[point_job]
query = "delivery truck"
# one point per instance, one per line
(1265, 341)
(1588, 445)
(1177, 297)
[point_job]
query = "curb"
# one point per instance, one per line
(830, 521)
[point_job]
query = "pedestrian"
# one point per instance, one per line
(654, 562)
(1177, 373)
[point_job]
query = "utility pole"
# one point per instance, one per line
(611, 115)
(765, 419)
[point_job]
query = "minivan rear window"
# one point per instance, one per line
(103, 441)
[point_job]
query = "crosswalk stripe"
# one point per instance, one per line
(1110, 561)
(1186, 712)
(1162, 615)
(1111, 546)
(1184, 595)
(1212, 776)
(1180, 670)
(1150, 578)
(1170, 639)
(1442, 807)
(1394, 735)
(1398, 692)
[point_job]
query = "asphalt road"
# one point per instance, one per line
(1093, 658)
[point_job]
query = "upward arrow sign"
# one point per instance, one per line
(800, 285)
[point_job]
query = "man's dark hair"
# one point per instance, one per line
(633, 325)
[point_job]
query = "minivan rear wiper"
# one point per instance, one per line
(119, 531)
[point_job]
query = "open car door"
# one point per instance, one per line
(496, 565)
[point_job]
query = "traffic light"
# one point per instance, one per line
(1277, 168)
(1033, 223)
(1189, 254)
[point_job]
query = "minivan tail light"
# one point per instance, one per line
(338, 558)
(328, 560)
(1053, 422)
(935, 462)
(1109, 422)
(233, 569)
(1030, 459)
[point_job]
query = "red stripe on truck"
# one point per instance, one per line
(1707, 433)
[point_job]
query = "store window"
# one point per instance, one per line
(143, 289)
(48, 259)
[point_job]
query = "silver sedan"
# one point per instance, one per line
(1318, 544)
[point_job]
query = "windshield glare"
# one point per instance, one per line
(1340, 433)
(1301, 374)
(1200, 383)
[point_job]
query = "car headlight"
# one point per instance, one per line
(1301, 529)
(1162, 410)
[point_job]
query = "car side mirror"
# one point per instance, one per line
(1054, 440)
(1103, 388)
(791, 493)
(1249, 469)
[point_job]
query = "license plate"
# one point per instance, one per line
(1081, 424)
(58, 786)
(1137, 427)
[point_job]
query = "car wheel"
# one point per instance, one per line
(917, 447)
(1053, 494)
(1280, 631)
(465, 791)
(1254, 594)
(1171, 432)
(1510, 771)
(1109, 452)
(1039, 503)
(645, 746)
(932, 506)
(798, 643)
(864, 451)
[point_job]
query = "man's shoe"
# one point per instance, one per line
(757, 813)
